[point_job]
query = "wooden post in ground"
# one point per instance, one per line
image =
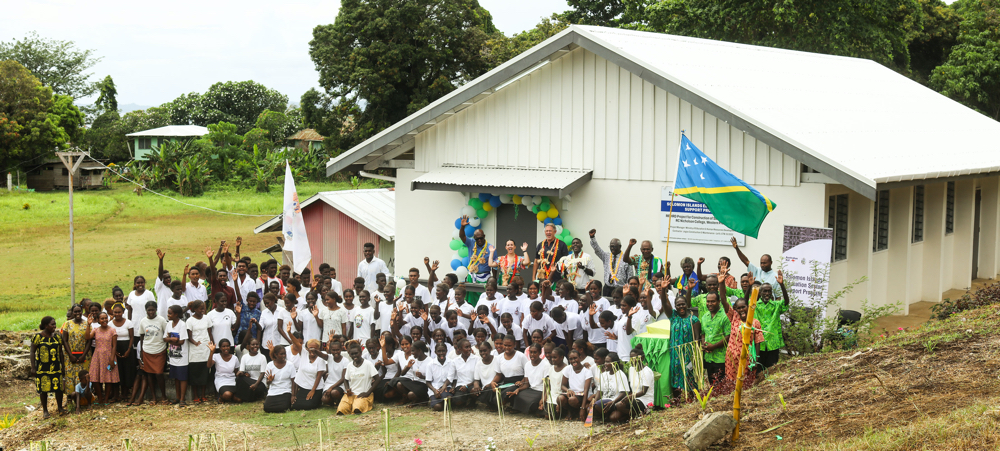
(71, 165)
(744, 357)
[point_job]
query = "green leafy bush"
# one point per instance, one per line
(990, 294)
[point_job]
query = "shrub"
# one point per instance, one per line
(989, 294)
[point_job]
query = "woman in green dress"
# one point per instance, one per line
(74, 334)
(47, 364)
(684, 328)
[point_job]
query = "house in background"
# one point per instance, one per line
(339, 223)
(306, 139)
(145, 141)
(52, 175)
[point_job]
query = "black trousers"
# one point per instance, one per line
(278, 403)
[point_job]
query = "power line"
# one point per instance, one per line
(173, 199)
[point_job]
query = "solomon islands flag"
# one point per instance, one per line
(734, 203)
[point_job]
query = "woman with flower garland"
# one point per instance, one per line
(509, 264)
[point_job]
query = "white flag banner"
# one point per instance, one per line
(293, 227)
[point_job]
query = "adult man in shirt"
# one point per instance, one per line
(420, 292)
(549, 251)
(577, 267)
(370, 267)
(769, 312)
(763, 273)
(616, 270)
(645, 264)
(481, 253)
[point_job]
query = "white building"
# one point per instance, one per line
(145, 142)
(593, 116)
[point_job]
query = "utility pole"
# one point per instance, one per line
(71, 165)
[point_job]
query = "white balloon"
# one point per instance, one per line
(558, 229)
(462, 272)
(454, 256)
(526, 201)
(506, 198)
(468, 211)
(454, 234)
(475, 222)
(537, 200)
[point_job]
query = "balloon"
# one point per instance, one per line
(455, 245)
(467, 211)
(545, 206)
(567, 233)
(557, 220)
(495, 201)
(568, 240)
(547, 220)
(458, 223)
(537, 200)
(506, 198)
(533, 208)
(526, 201)
(553, 212)
(476, 203)
(482, 214)
(487, 207)
(455, 264)
(454, 234)
(515, 199)
(475, 222)
(484, 197)
(559, 228)
(541, 216)
(463, 252)
(465, 261)
(462, 273)
(469, 230)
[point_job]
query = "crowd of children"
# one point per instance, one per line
(558, 347)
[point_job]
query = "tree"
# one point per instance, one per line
(32, 121)
(237, 102)
(930, 44)
(107, 134)
(279, 125)
(595, 12)
(500, 48)
(108, 97)
(875, 30)
(382, 60)
(59, 65)
(971, 74)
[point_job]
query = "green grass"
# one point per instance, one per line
(116, 234)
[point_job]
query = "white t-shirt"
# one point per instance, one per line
(594, 335)
(332, 321)
(335, 370)
(424, 295)
(199, 332)
(225, 372)
(577, 381)
(536, 374)
(623, 345)
(384, 316)
(305, 377)
(545, 324)
(640, 320)
(570, 329)
(392, 370)
(465, 370)
(362, 320)
(152, 338)
(182, 303)
(438, 373)
(177, 354)
(486, 372)
(253, 364)
(243, 287)
(489, 304)
(515, 330)
(612, 384)
(286, 319)
(163, 293)
(138, 304)
(269, 325)
(643, 378)
(122, 331)
(514, 307)
(337, 287)
(282, 383)
(310, 328)
(222, 323)
(360, 378)
(195, 292)
(514, 366)
(555, 384)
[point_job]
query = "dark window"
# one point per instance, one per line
(949, 219)
(880, 238)
(66, 173)
(838, 222)
(143, 143)
(918, 213)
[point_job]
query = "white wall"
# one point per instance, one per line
(583, 112)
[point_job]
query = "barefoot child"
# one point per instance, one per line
(83, 394)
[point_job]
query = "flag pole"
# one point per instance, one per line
(670, 213)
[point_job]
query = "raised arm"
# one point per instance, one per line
(159, 273)
(698, 268)
(628, 250)
(739, 253)
(597, 247)
(784, 291)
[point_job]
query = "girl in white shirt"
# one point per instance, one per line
(390, 357)
(612, 389)
(137, 299)
(550, 397)
(308, 378)
(528, 394)
(465, 373)
(641, 379)
(280, 376)
(124, 351)
(416, 385)
(249, 379)
(199, 336)
(488, 376)
(576, 384)
(226, 366)
(511, 367)
(336, 363)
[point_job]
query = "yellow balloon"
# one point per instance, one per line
(487, 206)
(553, 212)
(516, 199)
(541, 216)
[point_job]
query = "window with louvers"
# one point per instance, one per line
(880, 238)
(949, 219)
(918, 214)
(838, 222)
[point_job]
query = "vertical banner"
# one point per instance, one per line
(807, 253)
(692, 222)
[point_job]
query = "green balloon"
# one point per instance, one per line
(476, 203)
(545, 205)
(480, 212)
(534, 209)
(568, 240)
(455, 245)
(463, 252)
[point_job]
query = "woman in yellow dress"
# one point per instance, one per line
(74, 334)
(47, 364)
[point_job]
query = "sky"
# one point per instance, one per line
(156, 51)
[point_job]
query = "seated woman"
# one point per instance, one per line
(465, 372)
(336, 365)
(612, 389)
(640, 378)
(511, 367)
(360, 379)
(249, 378)
(577, 381)
(487, 377)
(226, 366)
(440, 375)
(553, 386)
(390, 357)
(401, 358)
(415, 382)
(280, 377)
(308, 378)
(528, 394)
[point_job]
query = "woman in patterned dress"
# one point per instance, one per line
(47, 364)
(737, 316)
(74, 334)
(684, 328)
(509, 264)
(103, 364)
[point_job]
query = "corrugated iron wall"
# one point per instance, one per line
(343, 243)
(313, 218)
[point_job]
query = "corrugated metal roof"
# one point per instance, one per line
(372, 208)
(173, 130)
(854, 120)
(853, 113)
(502, 180)
(307, 134)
